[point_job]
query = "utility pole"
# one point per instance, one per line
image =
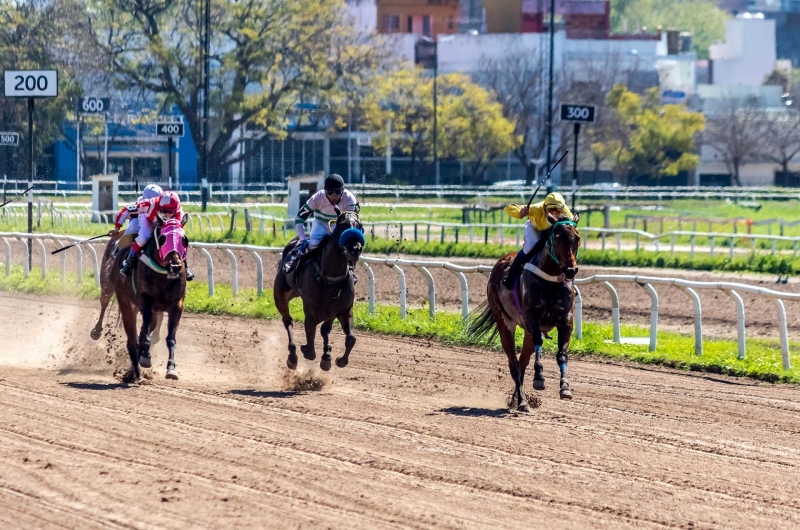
(549, 181)
(206, 84)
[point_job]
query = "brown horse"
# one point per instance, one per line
(323, 279)
(107, 287)
(153, 288)
(542, 299)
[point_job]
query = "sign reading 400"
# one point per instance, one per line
(169, 129)
(31, 83)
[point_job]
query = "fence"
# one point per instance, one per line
(606, 281)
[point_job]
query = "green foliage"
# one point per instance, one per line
(703, 18)
(658, 140)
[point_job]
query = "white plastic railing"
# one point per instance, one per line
(460, 272)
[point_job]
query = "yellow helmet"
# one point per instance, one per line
(554, 200)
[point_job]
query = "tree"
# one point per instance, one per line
(34, 35)
(474, 129)
(737, 133)
(702, 18)
(267, 56)
(783, 131)
(659, 140)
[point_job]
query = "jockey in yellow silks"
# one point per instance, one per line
(553, 204)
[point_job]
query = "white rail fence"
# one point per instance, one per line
(690, 288)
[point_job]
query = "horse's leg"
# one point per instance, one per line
(564, 334)
(509, 346)
(105, 297)
(325, 331)
(146, 308)
(311, 330)
(346, 321)
(282, 305)
(525, 358)
(538, 368)
(173, 319)
(128, 313)
(155, 327)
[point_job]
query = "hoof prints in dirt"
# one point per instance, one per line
(533, 400)
(303, 382)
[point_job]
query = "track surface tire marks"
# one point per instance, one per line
(411, 434)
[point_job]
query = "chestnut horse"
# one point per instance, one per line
(323, 280)
(153, 287)
(542, 299)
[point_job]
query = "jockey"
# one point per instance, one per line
(151, 212)
(537, 222)
(321, 206)
(131, 213)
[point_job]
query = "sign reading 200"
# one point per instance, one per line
(31, 83)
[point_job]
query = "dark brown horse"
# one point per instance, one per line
(107, 287)
(153, 288)
(542, 300)
(324, 281)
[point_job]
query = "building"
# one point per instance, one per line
(418, 17)
(748, 54)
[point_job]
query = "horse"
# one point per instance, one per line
(153, 287)
(107, 288)
(542, 299)
(324, 281)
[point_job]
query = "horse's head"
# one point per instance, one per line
(349, 234)
(172, 246)
(563, 244)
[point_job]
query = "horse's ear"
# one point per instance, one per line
(337, 210)
(185, 241)
(551, 218)
(576, 218)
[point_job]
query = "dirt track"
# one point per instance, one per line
(411, 434)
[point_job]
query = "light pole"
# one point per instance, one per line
(206, 85)
(549, 182)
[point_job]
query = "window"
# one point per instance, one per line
(391, 23)
(426, 25)
(450, 23)
(410, 24)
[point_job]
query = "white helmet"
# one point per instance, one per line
(152, 191)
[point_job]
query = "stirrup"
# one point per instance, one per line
(189, 274)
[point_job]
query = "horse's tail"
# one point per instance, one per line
(481, 322)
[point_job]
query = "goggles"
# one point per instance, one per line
(336, 191)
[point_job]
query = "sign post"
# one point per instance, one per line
(576, 114)
(94, 105)
(30, 84)
(170, 129)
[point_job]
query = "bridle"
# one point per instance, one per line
(551, 243)
(355, 223)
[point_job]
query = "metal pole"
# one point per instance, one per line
(549, 183)
(575, 166)
(105, 146)
(78, 150)
(435, 106)
(206, 86)
(388, 147)
(169, 157)
(32, 170)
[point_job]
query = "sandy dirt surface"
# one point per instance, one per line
(410, 435)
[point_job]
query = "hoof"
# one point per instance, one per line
(291, 361)
(145, 362)
(131, 377)
(309, 355)
(325, 364)
(172, 373)
(565, 392)
(524, 407)
(96, 333)
(538, 384)
(341, 362)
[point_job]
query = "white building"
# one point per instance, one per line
(748, 54)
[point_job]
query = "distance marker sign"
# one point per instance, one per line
(31, 83)
(94, 105)
(9, 139)
(577, 113)
(170, 128)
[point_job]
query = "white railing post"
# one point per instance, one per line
(401, 280)
(653, 314)
(234, 271)
(739, 321)
(63, 262)
(210, 266)
(464, 293)
(614, 311)
(259, 273)
(95, 264)
(431, 291)
(26, 269)
(8, 257)
(698, 319)
(578, 316)
(370, 287)
(43, 250)
(784, 333)
(80, 263)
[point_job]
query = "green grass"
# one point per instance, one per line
(675, 350)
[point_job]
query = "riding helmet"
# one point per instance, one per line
(334, 182)
(152, 191)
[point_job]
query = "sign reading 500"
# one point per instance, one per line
(31, 83)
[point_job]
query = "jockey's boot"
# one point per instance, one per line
(514, 270)
(130, 261)
(189, 273)
(294, 255)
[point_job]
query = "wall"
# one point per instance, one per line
(443, 15)
(503, 16)
(365, 15)
(748, 54)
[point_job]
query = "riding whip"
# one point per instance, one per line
(62, 249)
(546, 177)
(15, 197)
